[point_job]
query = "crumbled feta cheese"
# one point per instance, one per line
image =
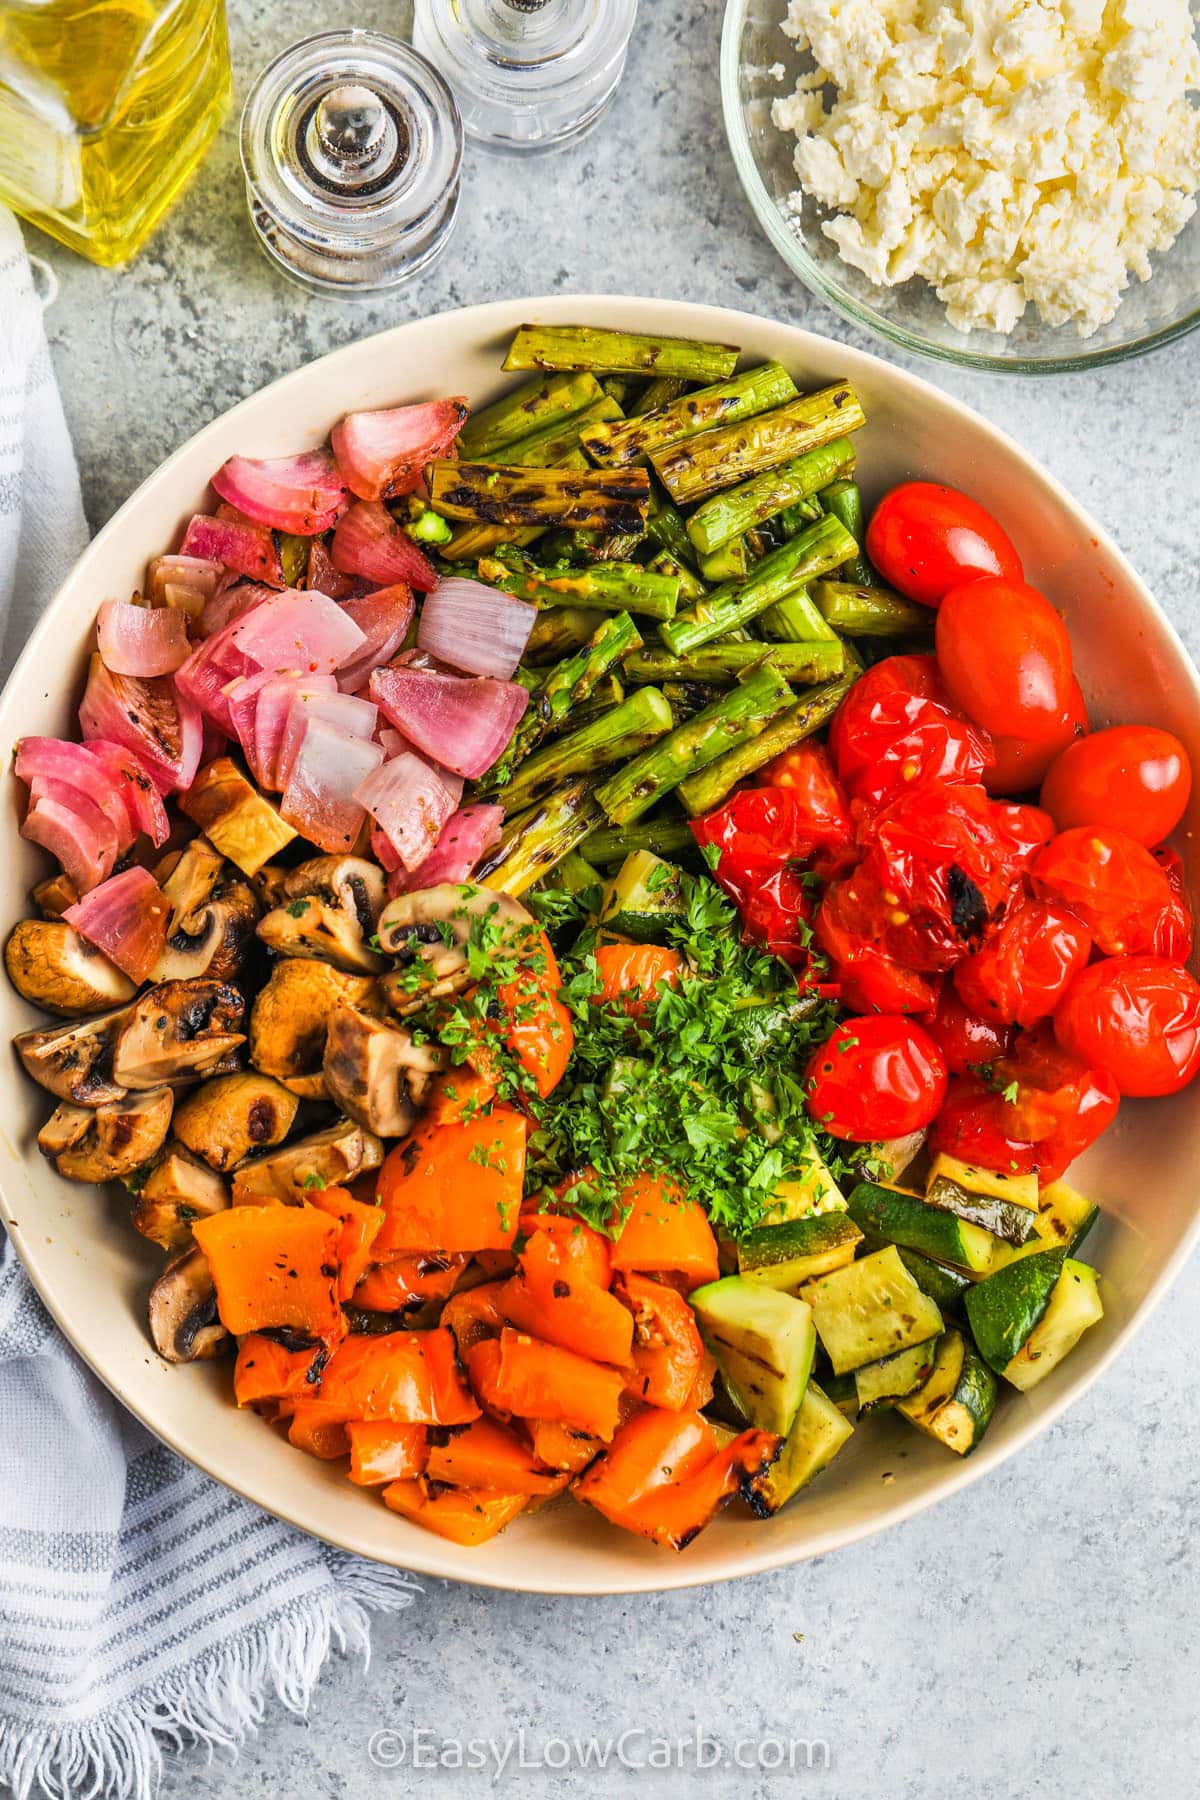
(1012, 153)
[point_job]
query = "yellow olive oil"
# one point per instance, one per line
(106, 108)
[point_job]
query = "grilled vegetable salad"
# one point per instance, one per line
(552, 928)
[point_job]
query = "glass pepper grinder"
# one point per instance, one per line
(528, 74)
(352, 152)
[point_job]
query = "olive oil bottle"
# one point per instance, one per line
(106, 108)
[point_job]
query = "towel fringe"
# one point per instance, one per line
(217, 1704)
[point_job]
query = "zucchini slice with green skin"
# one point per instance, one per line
(809, 1189)
(764, 1343)
(883, 1383)
(956, 1404)
(1064, 1219)
(910, 1222)
(786, 1256)
(869, 1310)
(842, 1391)
(643, 898)
(1074, 1306)
(946, 1286)
(818, 1432)
(982, 1198)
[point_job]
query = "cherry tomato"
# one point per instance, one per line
(1028, 964)
(822, 806)
(1005, 658)
(1040, 1108)
(777, 914)
(868, 981)
(1112, 883)
(1138, 1018)
(876, 1077)
(967, 1040)
(1134, 777)
(1024, 828)
(896, 727)
(926, 539)
(1019, 765)
(1172, 934)
(762, 828)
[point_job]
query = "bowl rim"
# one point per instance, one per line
(421, 1552)
(792, 250)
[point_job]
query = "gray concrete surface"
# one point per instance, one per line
(1034, 1636)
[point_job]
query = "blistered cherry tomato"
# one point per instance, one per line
(876, 1077)
(1134, 777)
(821, 807)
(1005, 658)
(1027, 965)
(867, 980)
(967, 1040)
(1018, 766)
(1172, 934)
(1136, 1017)
(896, 728)
(1038, 1110)
(1111, 882)
(776, 914)
(1024, 828)
(925, 539)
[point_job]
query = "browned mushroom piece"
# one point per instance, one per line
(54, 895)
(49, 963)
(213, 915)
(326, 1159)
(177, 1032)
(290, 1018)
(429, 932)
(183, 1311)
(73, 1061)
(172, 1193)
(231, 1115)
(376, 1073)
(329, 911)
(104, 1143)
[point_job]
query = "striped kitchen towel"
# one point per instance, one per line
(141, 1605)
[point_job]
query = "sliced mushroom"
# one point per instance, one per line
(172, 1194)
(290, 1017)
(213, 915)
(326, 1159)
(241, 823)
(74, 1061)
(49, 963)
(225, 1119)
(183, 1311)
(329, 911)
(103, 1143)
(430, 930)
(177, 1032)
(376, 1073)
(55, 894)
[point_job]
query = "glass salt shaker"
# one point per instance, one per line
(352, 151)
(528, 74)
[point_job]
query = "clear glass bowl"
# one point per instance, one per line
(1150, 313)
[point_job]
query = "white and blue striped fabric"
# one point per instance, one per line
(141, 1605)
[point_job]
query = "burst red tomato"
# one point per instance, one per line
(926, 539)
(967, 1040)
(1133, 777)
(777, 914)
(896, 727)
(822, 809)
(1026, 966)
(1040, 1109)
(1111, 882)
(1018, 765)
(867, 980)
(1005, 658)
(1136, 1017)
(1172, 935)
(1024, 828)
(876, 1077)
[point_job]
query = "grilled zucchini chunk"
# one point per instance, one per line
(818, 1432)
(786, 1256)
(955, 1405)
(1005, 1205)
(1026, 1317)
(811, 1189)
(909, 1221)
(643, 899)
(869, 1310)
(946, 1286)
(895, 1377)
(764, 1344)
(1064, 1219)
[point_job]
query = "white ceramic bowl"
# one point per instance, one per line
(92, 1269)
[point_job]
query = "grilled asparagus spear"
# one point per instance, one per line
(623, 731)
(709, 786)
(525, 410)
(794, 619)
(619, 353)
(735, 511)
(844, 500)
(868, 611)
(533, 841)
(631, 440)
(499, 494)
(659, 392)
(563, 687)
(611, 587)
(666, 837)
(694, 469)
(815, 551)
(817, 659)
(560, 631)
(553, 445)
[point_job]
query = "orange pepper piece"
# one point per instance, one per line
(485, 1455)
(405, 1377)
(519, 1375)
(361, 1224)
(668, 1351)
(266, 1371)
(381, 1451)
(454, 1187)
(274, 1266)
(665, 1234)
(636, 971)
(466, 1516)
(550, 1300)
(665, 1475)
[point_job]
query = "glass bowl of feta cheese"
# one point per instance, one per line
(1009, 187)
